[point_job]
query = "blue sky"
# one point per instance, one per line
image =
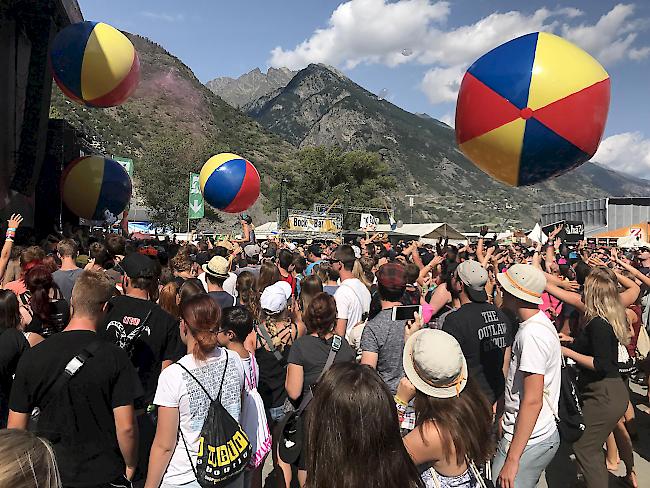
(367, 38)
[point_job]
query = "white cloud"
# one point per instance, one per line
(366, 31)
(611, 38)
(377, 32)
(628, 152)
(165, 17)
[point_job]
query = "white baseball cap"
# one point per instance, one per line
(274, 297)
(434, 362)
(524, 281)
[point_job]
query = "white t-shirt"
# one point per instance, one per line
(535, 350)
(176, 388)
(352, 301)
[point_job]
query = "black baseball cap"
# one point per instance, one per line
(137, 265)
(315, 249)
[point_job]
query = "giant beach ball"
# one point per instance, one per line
(95, 64)
(531, 109)
(95, 187)
(229, 182)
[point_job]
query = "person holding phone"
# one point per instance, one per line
(382, 340)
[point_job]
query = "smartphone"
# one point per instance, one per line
(406, 312)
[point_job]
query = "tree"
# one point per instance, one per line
(324, 174)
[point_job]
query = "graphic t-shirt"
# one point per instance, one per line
(311, 353)
(148, 344)
(177, 389)
(535, 350)
(352, 302)
(385, 337)
(78, 421)
(483, 332)
(65, 280)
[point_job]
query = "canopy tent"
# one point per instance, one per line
(425, 231)
(631, 242)
(266, 230)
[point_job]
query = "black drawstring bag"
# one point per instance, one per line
(224, 448)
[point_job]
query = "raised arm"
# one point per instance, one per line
(12, 224)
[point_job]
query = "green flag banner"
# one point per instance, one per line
(197, 208)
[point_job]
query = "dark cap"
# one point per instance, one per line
(392, 276)
(137, 265)
(315, 249)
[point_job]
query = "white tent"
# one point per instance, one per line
(425, 231)
(537, 235)
(631, 242)
(267, 230)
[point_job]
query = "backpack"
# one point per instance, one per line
(224, 448)
(568, 416)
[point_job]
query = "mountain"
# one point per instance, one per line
(320, 106)
(171, 102)
(250, 86)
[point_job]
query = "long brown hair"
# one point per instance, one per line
(463, 422)
(27, 461)
(167, 298)
(202, 317)
(9, 310)
(309, 288)
(320, 316)
(353, 432)
(269, 274)
(39, 283)
(247, 292)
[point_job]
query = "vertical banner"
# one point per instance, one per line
(196, 207)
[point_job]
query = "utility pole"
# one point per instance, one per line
(283, 201)
(411, 204)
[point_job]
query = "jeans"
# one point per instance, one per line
(533, 460)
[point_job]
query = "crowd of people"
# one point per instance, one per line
(362, 364)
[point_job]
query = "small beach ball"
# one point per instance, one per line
(95, 187)
(531, 109)
(229, 182)
(95, 64)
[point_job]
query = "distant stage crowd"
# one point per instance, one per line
(367, 364)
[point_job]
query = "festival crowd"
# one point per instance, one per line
(362, 364)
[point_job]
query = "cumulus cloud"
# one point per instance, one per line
(378, 31)
(628, 152)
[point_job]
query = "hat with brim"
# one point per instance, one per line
(217, 267)
(434, 362)
(524, 282)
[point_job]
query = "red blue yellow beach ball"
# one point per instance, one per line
(531, 109)
(229, 182)
(95, 187)
(95, 64)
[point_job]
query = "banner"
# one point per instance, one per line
(196, 208)
(311, 223)
(572, 230)
(368, 221)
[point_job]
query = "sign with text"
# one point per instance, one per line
(572, 230)
(196, 208)
(368, 221)
(306, 222)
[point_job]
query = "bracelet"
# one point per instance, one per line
(399, 401)
(8, 239)
(12, 228)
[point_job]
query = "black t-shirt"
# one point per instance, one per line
(223, 298)
(311, 353)
(156, 341)
(483, 332)
(78, 420)
(598, 341)
(12, 346)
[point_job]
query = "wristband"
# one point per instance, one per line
(399, 401)
(12, 228)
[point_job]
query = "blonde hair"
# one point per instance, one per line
(90, 292)
(602, 300)
(27, 461)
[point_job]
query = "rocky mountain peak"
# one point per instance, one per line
(250, 86)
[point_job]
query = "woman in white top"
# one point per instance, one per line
(179, 396)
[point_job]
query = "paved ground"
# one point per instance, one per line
(562, 471)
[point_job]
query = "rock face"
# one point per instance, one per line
(250, 86)
(320, 106)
